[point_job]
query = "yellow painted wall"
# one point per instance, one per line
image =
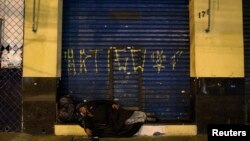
(220, 52)
(41, 55)
(146, 130)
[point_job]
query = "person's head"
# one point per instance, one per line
(81, 108)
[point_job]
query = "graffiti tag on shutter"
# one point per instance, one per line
(124, 58)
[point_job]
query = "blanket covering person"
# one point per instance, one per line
(105, 118)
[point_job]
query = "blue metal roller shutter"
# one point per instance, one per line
(133, 51)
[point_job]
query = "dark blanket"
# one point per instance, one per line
(107, 121)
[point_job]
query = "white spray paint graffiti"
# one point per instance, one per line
(71, 62)
(158, 58)
(175, 59)
(124, 59)
(121, 61)
(84, 56)
(141, 64)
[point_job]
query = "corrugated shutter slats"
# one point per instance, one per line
(134, 51)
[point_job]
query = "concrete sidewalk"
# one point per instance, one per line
(9, 136)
